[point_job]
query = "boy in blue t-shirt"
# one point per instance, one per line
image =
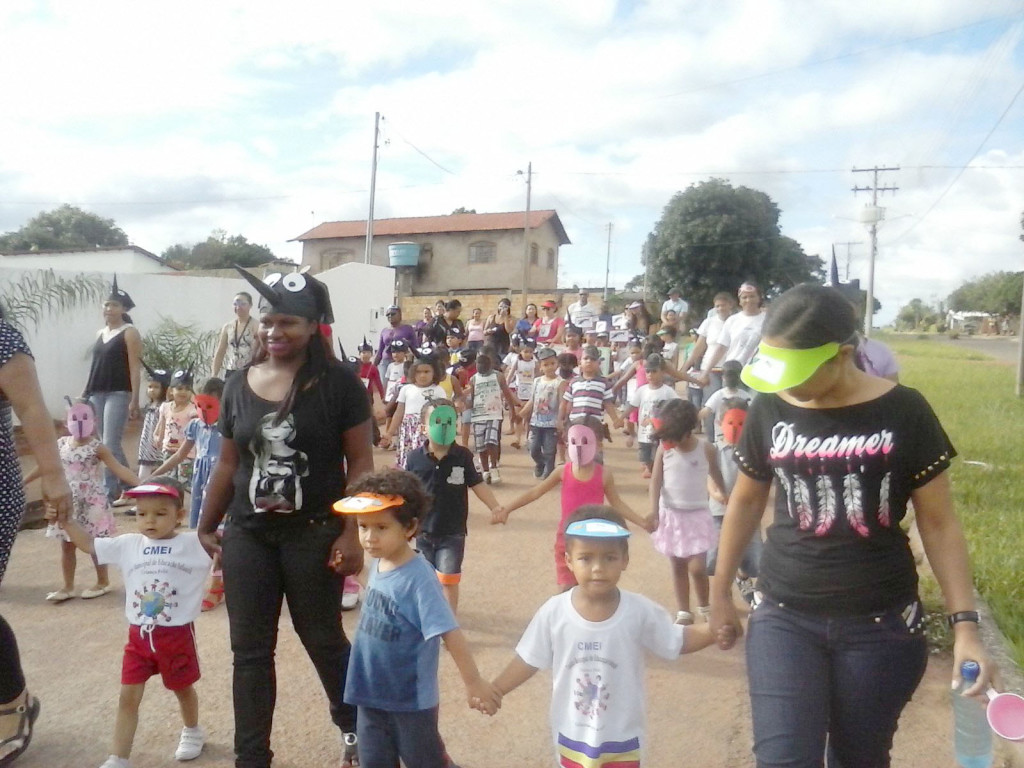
(392, 672)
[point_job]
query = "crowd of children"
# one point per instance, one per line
(413, 523)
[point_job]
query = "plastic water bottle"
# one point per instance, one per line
(972, 738)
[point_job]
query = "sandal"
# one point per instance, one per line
(60, 595)
(11, 748)
(89, 594)
(214, 597)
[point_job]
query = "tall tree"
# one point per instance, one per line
(713, 236)
(219, 251)
(63, 228)
(996, 292)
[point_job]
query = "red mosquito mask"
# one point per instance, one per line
(209, 409)
(732, 425)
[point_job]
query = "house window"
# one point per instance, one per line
(482, 252)
(551, 258)
(534, 254)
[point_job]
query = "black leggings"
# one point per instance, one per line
(262, 567)
(12, 679)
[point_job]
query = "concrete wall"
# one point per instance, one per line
(444, 264)
(122, 261)
(62, 345)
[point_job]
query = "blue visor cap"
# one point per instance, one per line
(597, 529)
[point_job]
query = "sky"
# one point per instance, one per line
(257, 118)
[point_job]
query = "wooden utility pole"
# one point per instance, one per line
(608, 261)
(877, 214)
(373, 187)
(526, 236)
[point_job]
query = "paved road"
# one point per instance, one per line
(1002, 348)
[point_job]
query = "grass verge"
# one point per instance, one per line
(974, 398)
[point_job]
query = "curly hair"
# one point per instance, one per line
(396, 482)
(678, 420)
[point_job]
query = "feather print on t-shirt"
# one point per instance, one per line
(826, 505)
(804, 510)
(854, 504)
(787, 487)
(884, 515)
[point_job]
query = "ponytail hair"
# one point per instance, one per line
(810, 315)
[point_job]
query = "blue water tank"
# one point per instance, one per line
(403, 254)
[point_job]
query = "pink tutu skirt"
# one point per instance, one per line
(684, 532)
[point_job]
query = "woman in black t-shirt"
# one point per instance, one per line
(291, 424)
(836, 648)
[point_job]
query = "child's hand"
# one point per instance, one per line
(483, 696)
(651, 522)
(211, 543)
(385, 441)
(50, 514)
(499, 516)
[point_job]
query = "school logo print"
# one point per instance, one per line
(458, 476)
(590, 695)
(153, 601)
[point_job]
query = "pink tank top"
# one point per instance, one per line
(576, 493)
(685, 478)
(641, 375)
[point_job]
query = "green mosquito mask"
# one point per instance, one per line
(442, 425)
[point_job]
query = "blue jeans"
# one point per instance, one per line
(111, 415)
(385, 736)
(445, 552)
(750, 563)
(543, 446)
(839, 684)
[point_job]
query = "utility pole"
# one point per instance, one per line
(526, 236)
(608, 261)
(848, 244)
(1020, 352)
(875, 215)
(373, 187)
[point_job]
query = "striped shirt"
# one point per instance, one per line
(587, 397)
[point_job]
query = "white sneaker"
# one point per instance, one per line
(191, 743)
(116, 762)
(495, 475)
(487, 477)
(684, 617)
(349, 600)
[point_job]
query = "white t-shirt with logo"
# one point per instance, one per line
(525, 371)
(486, 397)
(645, 400)
(394, 376)
(414, 397)
(740, 336)
(597, 674)
(164, 579)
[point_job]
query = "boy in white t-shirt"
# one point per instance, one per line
(648, 400)
(732, 388)
(164, 582)
(593, 639)
(487, 390)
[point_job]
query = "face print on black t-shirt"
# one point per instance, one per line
(277, 466)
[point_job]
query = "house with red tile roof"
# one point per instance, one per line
(460, 252)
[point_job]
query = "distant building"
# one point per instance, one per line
(122, 259)
(480, 252)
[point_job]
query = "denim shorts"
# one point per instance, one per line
(445, 552)
(645, 452)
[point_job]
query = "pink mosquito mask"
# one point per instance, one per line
(81, 421)
(581, 445)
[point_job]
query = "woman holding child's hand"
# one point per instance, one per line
(291, 422)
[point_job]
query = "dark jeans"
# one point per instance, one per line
(12, 680)
(386, 736)
(543, 445)
(260, 568)
(846, 679)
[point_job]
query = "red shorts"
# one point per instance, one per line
(171, 651)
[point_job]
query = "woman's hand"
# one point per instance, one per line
(725, 622)
(211, 543)
(968, 646)
(133, 411)
(56, 493)
(346, 558)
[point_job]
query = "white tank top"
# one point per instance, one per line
(685, 478)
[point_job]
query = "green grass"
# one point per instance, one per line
(974, 399)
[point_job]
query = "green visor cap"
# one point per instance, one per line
(774, 369)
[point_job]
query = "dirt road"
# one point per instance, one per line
(698, 708)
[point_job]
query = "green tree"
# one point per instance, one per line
(916, 315)
(218, 251)
(63, 228)
(996, 292)
(713, 236)
(463, 209)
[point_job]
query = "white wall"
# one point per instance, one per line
(121, 260)
(62, 345)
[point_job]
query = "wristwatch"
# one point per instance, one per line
(955, 618)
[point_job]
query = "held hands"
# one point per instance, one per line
(651, 522)
(211, 543)
(499, 515)
(725, 623)
(133, 411)
(484, 697)
(385, 441)
(56, 494)
(346, 557)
